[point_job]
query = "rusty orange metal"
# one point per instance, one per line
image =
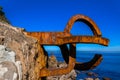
(61, 39)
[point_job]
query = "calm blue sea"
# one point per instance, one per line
(109, 67)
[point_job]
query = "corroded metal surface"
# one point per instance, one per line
(91, 64)
(61, 39)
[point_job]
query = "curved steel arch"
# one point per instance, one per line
(86, 20)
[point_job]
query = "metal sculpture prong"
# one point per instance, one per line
(61, 39)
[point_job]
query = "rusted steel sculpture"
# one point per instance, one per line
(61, 39)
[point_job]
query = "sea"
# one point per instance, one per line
(109, 67)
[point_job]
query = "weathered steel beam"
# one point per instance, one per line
(86, 20)
(47, 38)
(65, 52)
(84, 39)
(94, 62)
(72, 59)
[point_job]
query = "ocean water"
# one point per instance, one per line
(109, 67)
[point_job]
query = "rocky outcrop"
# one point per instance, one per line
(27, 52)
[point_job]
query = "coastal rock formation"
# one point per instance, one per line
(26, 52)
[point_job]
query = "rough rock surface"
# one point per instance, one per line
(9, 69)
(27, 51)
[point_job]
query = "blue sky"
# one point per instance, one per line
(53, 15)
